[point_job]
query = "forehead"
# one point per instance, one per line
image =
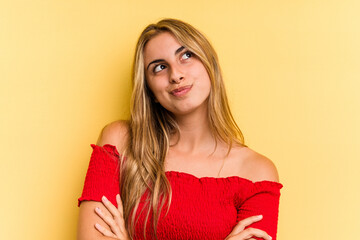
(161, 46)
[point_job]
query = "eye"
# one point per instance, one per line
(158, 68)
(187, 55)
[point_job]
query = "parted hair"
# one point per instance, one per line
(151, 126)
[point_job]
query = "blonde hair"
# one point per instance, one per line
(151, 125)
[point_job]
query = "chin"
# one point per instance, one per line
(187, 110)
(185, 106)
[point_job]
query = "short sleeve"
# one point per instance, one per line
(102, 177)
(262, 199)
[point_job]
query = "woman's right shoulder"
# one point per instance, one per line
(115, 133)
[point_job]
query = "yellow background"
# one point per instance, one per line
(292, 71)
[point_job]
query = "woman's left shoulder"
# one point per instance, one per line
(255, 166)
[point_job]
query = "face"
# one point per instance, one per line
(177, 78)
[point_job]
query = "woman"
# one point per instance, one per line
(184, 171)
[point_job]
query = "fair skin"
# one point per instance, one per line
(170, 67)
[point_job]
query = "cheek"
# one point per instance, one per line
(157, 87)
(203, 78)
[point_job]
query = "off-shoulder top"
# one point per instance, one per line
(201, 208)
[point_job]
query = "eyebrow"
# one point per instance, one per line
(162, 60)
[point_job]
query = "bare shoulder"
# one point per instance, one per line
(257, 167)
(115, 133)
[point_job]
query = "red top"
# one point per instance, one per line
(201, 208)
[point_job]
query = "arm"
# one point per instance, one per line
(263, 195)
(264, 201)
(242, 232)
(100, 180)
(87, 220)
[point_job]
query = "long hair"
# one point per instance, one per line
(151, 125)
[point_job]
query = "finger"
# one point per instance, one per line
(253, 232)
(117, 215)
(120, 205)
(121, 211)
(109, 221)
(244, 223)
(104, 231)
(112, 209)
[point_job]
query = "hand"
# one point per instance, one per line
(115, 221)
(240, 233)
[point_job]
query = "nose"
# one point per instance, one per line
(176, 75)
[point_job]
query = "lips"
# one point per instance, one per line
(181, 91)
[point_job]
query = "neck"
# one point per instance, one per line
(195, 133)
